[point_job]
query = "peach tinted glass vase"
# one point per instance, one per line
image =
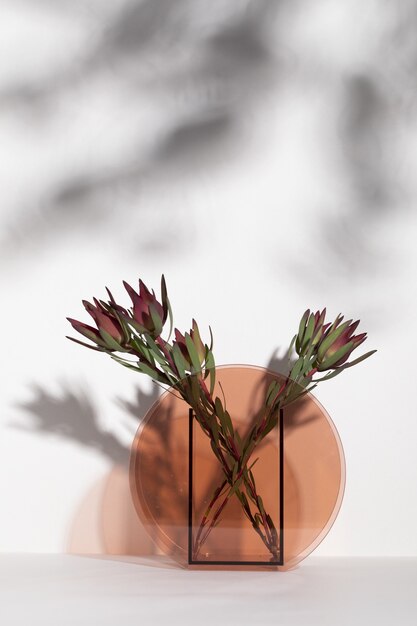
(298, 470)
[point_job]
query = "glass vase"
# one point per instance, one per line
(299, 475)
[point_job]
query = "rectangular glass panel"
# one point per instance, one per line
(219, 530)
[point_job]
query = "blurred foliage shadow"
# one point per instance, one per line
(72, 416)
(208, 70)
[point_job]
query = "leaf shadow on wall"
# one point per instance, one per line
(156, 50)
(373, 195)
(372, 133)
(105, 522)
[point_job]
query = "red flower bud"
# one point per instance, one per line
(87, 331)
(147, 311)
(337, 344)
(104, 320)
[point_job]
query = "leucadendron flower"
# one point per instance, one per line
(325, 347)
(117, 328)
(108, 335)
(148, 313)
(337, 344)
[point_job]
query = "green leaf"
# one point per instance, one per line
(179, 361)
(215, 450)
(301, 329)
(309, 353)
(220, 412)
(336, 323)
(195, 389)
(219, 407)
(249, 469)
(87, 345)
(196, 335)
(211, 339)
(235, 487)
(155, 350)
(269, 394)
(156, 320)
(171, 320)
(125, 363)
(246, 454)
(132, 323)
(359, 359)
(157, 356)
(290, 347)
(270, 426)
(309, 332)
(228, 422)
(146, 369)
(296, 395)
(261, 505)
(243, 499)
(155, 374)
(140, 347)
(209, 361)
(297, 367)
(212, 380)
(111, 343)
(336, 372)
(205, 401)
(164, 295)
(340, 369)
(215, 429)
(195, 361)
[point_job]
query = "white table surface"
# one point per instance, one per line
(98, 591)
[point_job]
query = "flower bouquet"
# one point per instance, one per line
(184, 364)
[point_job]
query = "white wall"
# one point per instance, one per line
(261, 156)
